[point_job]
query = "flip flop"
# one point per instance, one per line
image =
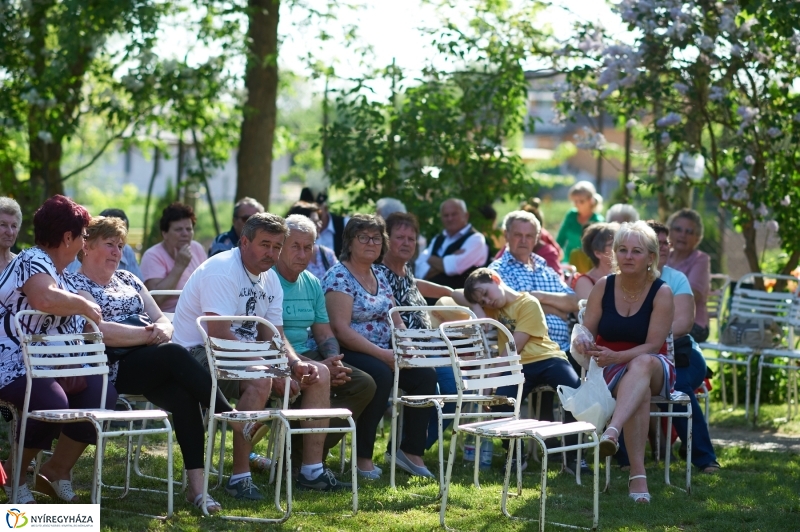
(212, 506)
(711, 468)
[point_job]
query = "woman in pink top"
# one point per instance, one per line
(685, 233)
(168, 265)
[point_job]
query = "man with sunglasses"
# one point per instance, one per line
(242, 211)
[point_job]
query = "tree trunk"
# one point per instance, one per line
(45, 165)
(750, 248)
(254, 160)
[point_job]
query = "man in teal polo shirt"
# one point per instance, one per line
(303, 312)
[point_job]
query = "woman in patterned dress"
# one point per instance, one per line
(403, 230)
(358, 298)
(165, 373)
(34, 280)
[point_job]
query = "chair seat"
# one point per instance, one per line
(563, 429)
(505, 427)
(98, 415)
(741, 349)
(676, 397)
(777, 352)
(241, 416)
(300, 414)
(421, 400)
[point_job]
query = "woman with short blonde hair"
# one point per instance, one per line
(629, 314)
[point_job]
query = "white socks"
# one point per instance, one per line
(311, 471)
(235, 479)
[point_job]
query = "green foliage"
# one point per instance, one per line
(446, 134)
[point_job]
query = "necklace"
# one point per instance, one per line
(250, 275)
(631, 296)
(364, 282)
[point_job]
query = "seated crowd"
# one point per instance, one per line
(327, 284)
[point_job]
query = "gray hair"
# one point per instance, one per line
(264, 221)
(521, 216)
(301, 224)
(386, 206)
(247, 201)
(647, 237)
(691, 215)
(621, 213)
(461, 203)
(11, 207)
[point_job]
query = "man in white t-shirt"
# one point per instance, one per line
(239, 282)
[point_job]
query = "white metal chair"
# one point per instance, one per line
(424, 348)
(749, 302)
(786, 356)
(473, 376)
(53, 356)
(155, 293)
(236, 360)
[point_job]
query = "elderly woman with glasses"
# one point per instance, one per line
(358, 298)
(685, 234)
(35, 280)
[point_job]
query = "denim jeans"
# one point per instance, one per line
(446, 385)
(551, 372)
(689, 379)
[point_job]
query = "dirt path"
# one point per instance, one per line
(755, 439)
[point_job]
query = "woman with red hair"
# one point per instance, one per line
(34, 280)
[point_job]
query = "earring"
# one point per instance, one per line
(648, 267)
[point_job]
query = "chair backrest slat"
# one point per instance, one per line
(238, 360)
(65, 350)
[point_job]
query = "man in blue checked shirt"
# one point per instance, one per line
(524, 271)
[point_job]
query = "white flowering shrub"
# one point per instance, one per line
(718, 79)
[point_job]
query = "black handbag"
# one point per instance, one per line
(115, 354)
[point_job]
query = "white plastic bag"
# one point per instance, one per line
(592, 402)
(581, 340)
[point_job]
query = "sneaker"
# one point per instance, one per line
(374, 474)
(259, 463)
(245, 490)
(325, 481)
(585, 469)
(254, 432)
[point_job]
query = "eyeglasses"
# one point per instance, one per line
(682, 231)
(366, 239)
(664, 243)
(243, 219)
(85, 236)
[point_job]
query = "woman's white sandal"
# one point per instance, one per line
(608, 445)
(638, 496)
(57, 489)
(24, 495)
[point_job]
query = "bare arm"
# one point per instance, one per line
(340, 312)
(328, 347)
(44, 294)
(429, 289)
(583, 287)
(565, 303)
(684, 315)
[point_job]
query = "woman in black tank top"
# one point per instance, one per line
(630, 315)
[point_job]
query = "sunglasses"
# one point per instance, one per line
(243, 219)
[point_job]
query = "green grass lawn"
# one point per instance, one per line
(754, 491)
